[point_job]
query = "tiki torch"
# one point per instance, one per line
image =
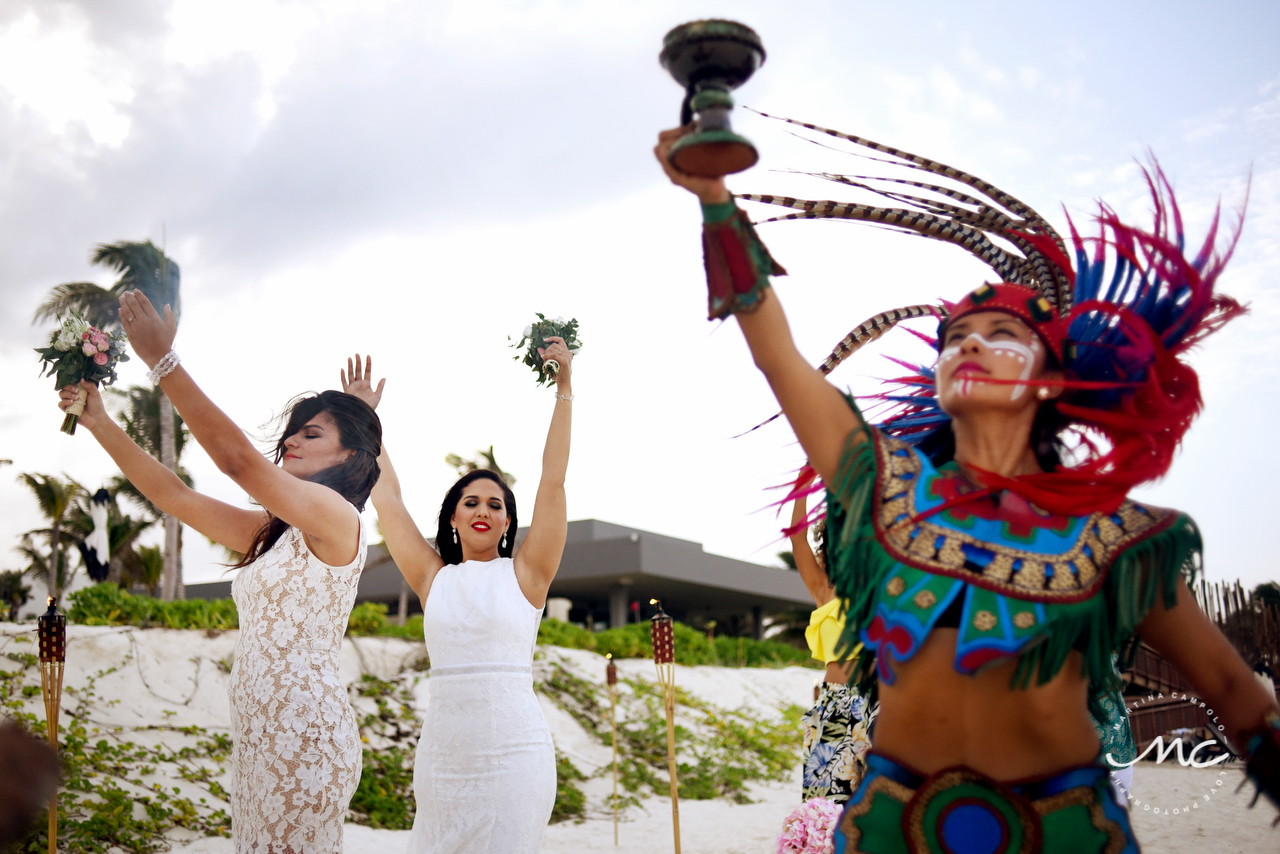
(53, 655)
(611, 676)
(662, 633)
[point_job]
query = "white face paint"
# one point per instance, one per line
(1025, 355)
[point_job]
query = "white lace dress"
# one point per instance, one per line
(485, 774)
(295, 757)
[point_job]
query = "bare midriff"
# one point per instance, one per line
(933, 717)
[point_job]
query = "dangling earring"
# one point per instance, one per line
(455, 535)
(504, 540)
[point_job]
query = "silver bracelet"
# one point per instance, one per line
(567, 398)
(164, 367)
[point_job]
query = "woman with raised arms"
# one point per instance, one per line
(988, 574)
(295, 759)
(485, 773)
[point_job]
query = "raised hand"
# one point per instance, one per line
(150, 335)
(359, 382)
(711, 191)
(556, 350)
(94, 415)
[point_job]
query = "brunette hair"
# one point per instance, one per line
(359, 430)
(451, 552)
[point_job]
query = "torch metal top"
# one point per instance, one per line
(662, 634)
(52, 631)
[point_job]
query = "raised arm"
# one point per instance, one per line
(1188, 640)
(813, 576)
(417, 561)
(818, 413)
(233, 527)
(539, 555)
(329, 521)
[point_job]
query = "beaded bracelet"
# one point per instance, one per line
(567, 398)
(164, 367)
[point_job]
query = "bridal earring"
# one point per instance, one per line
(455, 535)
(1042, 393)
(504, 539)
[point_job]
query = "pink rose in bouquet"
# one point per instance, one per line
(79, 352)
(811, 828)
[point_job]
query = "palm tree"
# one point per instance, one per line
(482, 460)
(13, 593)
(142, 266)
(56, 498)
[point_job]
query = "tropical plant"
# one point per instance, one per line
(1268, 593)
(482, 460)
(145, 267)
(13, 593)
(56, 498)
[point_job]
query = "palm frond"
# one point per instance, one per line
(143, 266)
(99, 306)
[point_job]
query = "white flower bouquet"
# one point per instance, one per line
(80, 351)
(535, 335)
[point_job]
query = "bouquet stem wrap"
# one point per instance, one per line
(74, 411)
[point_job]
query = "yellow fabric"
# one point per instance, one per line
(823, 633)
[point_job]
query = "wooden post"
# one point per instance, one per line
(611, 676)
(52, 630)
(662, 634)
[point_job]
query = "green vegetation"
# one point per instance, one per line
(692, 646)
(718, 757)
(109, 605)
(106, 802)
(571, 802)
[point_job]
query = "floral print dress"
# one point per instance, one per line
(295, 758)
(836, 741)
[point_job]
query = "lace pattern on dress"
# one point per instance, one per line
(296, 758)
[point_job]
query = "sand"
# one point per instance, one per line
(154, 677)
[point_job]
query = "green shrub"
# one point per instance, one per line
(110, 605)
(571, 802)
(384, 797)
(367, 618)
(553, 632)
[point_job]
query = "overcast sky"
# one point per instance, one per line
(415, 179)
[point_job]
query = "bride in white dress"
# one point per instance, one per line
(485, 774)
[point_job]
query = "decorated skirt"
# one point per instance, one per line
(1027, 585)
(899, 811)
(836, 741)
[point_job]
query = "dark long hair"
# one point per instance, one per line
(359, 430)
(451, 552)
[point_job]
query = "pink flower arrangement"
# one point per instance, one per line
(810, 828)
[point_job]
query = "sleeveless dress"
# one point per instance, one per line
(295, 756)
(485, 773)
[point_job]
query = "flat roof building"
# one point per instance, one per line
(610, 572)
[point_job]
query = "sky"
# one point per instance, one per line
(414, 180)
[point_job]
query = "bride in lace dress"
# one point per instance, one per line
(485, 774)
(296, 756)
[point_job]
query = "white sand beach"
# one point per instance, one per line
(144, 679)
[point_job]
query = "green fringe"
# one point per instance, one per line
(1105, 623)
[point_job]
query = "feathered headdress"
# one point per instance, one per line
(1119, 337)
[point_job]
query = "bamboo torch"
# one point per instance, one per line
(53, 655)
(611, 676)
(662, 633)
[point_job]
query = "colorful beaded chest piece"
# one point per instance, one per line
(1014, 570)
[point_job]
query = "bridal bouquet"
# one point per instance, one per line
(79, 351)
(811, 828)
(535, 336)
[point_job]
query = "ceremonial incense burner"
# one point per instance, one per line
(711, 59)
